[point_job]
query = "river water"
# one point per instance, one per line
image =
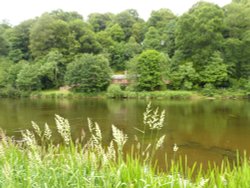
(204, 130)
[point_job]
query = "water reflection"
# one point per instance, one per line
(204, 130)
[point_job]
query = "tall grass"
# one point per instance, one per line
(36, 161)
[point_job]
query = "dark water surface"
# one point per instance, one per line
(204, 130)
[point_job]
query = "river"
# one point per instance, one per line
(204, 130)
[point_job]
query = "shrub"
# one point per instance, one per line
(89, 73)
(115, 91)
(208, 90)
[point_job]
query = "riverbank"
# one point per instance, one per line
(35, 161)
(125, 94)
(168, 94)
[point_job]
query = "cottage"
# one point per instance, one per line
(120, 79)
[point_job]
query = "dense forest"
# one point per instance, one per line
(206, 47)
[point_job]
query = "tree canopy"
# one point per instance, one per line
(206, 46)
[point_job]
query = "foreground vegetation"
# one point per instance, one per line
(37, 161)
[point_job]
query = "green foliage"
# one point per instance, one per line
(99, 22)
(105, 40)
(208, 90)
(28, 79)
(4, 65)
(199, 33)
(126, 19)
(148, 70)
(49, 33)
(184, 77)
(89, 73)
(52, 70)
(116, 32)
(55, 39)
(115, 91)
(13, 72)
(138, 31)
(120, 53)
(160, 18)
(88, 43)
(19, 40)
(237, 45)
(215, 72)
(4, 45)
(152, 39)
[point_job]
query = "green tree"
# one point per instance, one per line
(163, 21)
(152, 39)
(121, 53)
(83, 39)
(116, 33)
(66, 16)
(184, 77)
(199, 33)
(13, 71)
(149, 69)
(99, 22)
(243, 67)
(49, 33)
(52, 70)
(105, 40)
(138, 31)
(126, 19)
(4, 66)
(89, 73)
(4, 45)
(215, 72)
(28, 78)
(160, 18)
(19, 40)
(89, 43)
(236, 45)
(232, 55)
(117, 55)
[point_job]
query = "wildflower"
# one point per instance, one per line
(1, 150)
(175, 148)
(223, 179)
(29, 138)
(111, 151)
(63, 128)
(36, 128)
(146, 169)
(7, 171)
(98, 132)
(47, 132)
(203, 182)
(119, 137)
(160, 142)
(153, 119)
(96, 135)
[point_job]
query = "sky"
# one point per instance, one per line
(16, 11)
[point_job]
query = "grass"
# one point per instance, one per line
(168, 94)
(37, 161)
(63, 94)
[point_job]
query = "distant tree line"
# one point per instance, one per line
(208, 46)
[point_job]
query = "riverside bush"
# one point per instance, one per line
(115, 91)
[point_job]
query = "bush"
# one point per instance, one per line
(115, 91)
(9, 91)
(208, 90)
(89, 73)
